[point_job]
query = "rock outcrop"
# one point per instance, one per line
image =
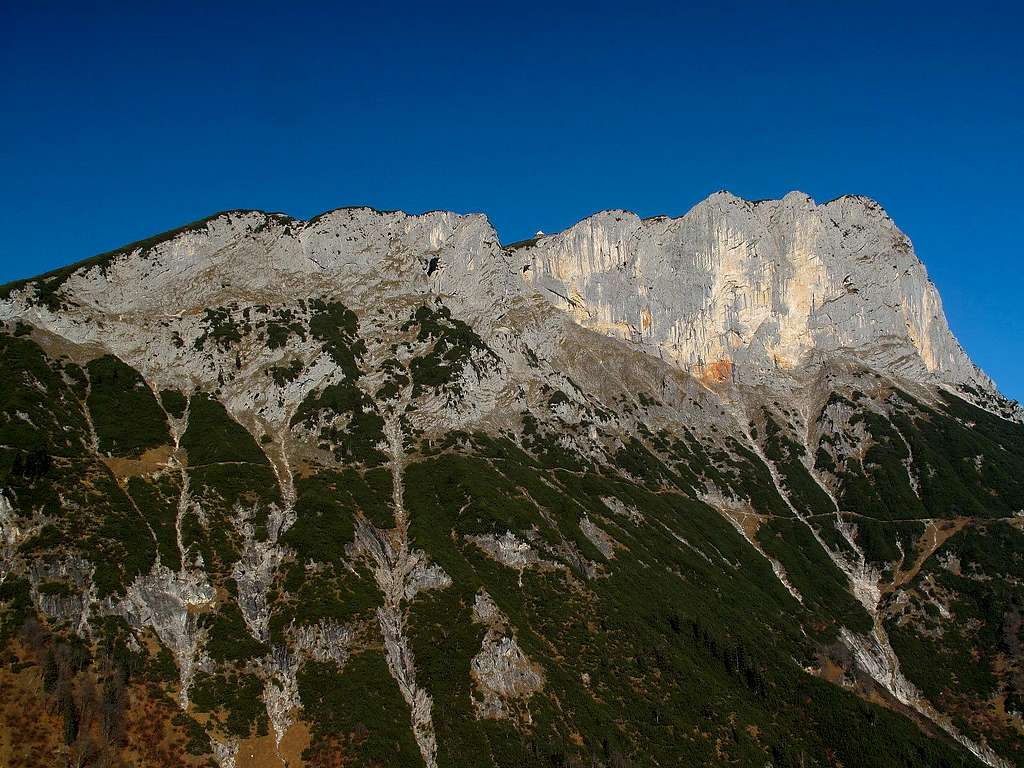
(733, 290)
(745, 290)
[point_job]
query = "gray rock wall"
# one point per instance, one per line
(747, 290)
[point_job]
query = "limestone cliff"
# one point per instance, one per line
(745, 289)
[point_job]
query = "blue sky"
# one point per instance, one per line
(119, 122)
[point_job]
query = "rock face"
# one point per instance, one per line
(746, 290)
(501, 671)
(374, 489)
(733, 290)
(256, 254)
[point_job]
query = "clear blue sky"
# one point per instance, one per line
(118, 122)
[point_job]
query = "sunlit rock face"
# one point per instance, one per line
(740, 289)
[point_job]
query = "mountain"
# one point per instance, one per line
(373, 489)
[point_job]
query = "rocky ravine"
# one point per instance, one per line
(631, 494)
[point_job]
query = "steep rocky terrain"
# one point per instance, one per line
(374, 489)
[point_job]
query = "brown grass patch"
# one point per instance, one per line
(934, 536)
(295, 741)
(151, 461)
(30, 735)
(750, 522)
(152, 741)
(258, 752)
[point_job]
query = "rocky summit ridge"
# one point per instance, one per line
(732, 289)
(376, 489)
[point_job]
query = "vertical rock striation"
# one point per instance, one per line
(748, 290)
